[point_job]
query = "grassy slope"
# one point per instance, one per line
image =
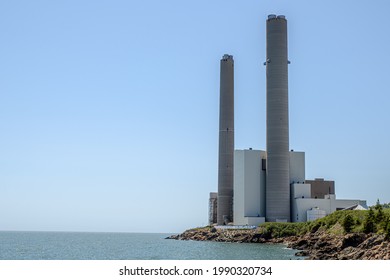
(332, 223)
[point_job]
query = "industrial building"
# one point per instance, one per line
(309, 198)
(256, 186)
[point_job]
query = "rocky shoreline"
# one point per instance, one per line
(318, 245)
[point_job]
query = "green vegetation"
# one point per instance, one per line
(369, 222)
(386, 205)
(274, 230)
(348, 223)
(375, 220)
(387, 231)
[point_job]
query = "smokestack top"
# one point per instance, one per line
(227, 57)
(272, 17)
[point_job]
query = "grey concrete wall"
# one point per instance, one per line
(297, 167)
(278, 183)
(213, 208)
(226, 142)
(239, 187)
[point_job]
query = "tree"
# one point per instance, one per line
(383, 205)
(377, 205)
(348, 223)
(387, 229)
(380, 215)
(369, 222)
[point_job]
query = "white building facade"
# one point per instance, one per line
(301, 206)
(249, 189)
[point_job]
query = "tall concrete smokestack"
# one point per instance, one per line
(278, 182)
(226, 142)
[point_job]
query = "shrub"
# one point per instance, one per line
(369, 222)
(387, 229)
(380, 215)
(348, 223)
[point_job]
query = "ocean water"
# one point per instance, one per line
(128, 246)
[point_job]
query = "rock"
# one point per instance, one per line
(302, 253)
(353, 240)
(302, 243)
(321, 244)
(317, 245)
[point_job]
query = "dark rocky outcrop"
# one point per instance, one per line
(314, 245)
(352, 246)
(213, 234)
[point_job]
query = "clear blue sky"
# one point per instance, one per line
(109, 109)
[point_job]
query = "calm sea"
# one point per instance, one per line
(128, 246)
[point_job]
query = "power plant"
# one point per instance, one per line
(256, 186)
